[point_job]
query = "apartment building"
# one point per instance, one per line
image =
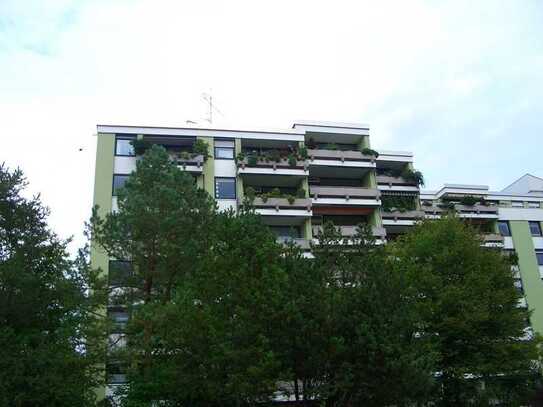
(314, 172)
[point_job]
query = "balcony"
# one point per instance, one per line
(476, 211)
(282, 207)
(340, 158)
(188, 162)
(350, 231)
(339, 195)
(399, 184)
(493, 240)
(262, 166)
(397, 218)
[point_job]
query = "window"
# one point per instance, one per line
(535, 228)
(225, 188)
(533, 204)
(503, 227)
(119, 320)
(517, 204)
(120, 273)
(118, 182)
(224, 150)
(124, 148)
(539, 255)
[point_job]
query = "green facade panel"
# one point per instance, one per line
(529, 271)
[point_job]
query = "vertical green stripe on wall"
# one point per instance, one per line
(529, 271)
(209, 167)
(103, 182)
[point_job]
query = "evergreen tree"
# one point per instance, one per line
(469, 307)
(350, 335)
(50, 345)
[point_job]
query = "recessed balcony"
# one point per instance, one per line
(476, 211)
(340, 158)
(493, 240)
(390, 183)
(262, 166)
(398, 218)
(351, 231)
(344, 195)
(283, 207)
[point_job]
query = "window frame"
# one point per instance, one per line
(538, 224)
(539, 257)
(508, 228)
(113, 193)
(119, 138)
(223, 148)
(217, 189)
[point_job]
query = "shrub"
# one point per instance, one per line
(201, 148)
(291, 199)
(302, 153)
(240, 156)
(331, 146)
(274, 155)
(469, 200)
(413, 176)
(292, 161)
(369, 151)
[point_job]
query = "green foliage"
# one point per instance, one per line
(50, 338)
(469, 200)
(369, 151)
(240, 157)
(302, 153)
(468, 307)
(201, 148)
(252, 160)
(301, 193)
(331, 336)
(331, 146)
(274, 156)
(250, 195)
(291, 199)
(397, 203)
(413, 176)
(292, 160)
(141, 145)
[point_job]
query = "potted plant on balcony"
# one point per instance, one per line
(413, 176)
(201, 148)
(302, 153)
(370, 152)
(292, 161)
(468, 200)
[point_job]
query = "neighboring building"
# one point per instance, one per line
(300, 178)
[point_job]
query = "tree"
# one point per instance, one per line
(47, 311)
(468, 306)
(201, 293)
(350, 332)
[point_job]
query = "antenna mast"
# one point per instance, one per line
(208, 97)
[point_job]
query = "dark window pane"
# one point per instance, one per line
(286, 231)
(118, 182)
(504, 228)
(539, 256)
(120, 273)
(225, 153)
(123, 147)
(535, 228)
(225, 188)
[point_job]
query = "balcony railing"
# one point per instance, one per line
(407, 215)
(273, 165)
(338, 155)
(282, 203)
(391, 181)
(476, 209)
(317, 191)
(350, 231)
(492, 238)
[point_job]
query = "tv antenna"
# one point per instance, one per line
(208, 98)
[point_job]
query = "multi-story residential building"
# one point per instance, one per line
(315, 172)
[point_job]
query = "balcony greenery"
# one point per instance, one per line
(390, 203)
(291, 156)
(200, 147)
(369, 151)
(251, 194)
(407, 174)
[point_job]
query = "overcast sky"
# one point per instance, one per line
(459, 83)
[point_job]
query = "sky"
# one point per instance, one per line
(458, 83)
